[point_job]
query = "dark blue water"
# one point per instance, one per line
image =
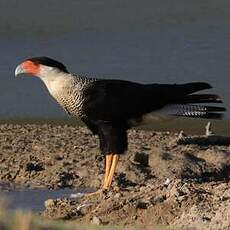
(145, 41)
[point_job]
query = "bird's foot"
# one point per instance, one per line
(97, 196)
(97, 193)
(101, 193)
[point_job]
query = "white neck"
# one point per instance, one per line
(53, 78)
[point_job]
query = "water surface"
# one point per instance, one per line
(145, 41)
(33, 199)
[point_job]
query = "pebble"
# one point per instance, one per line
(158, 199)
(167, 182)
(84, 208)
(76, 195)
(96, 220)
(48, 203)
(117, 195)
(141, 205)
(142, 158)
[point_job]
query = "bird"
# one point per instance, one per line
(110, 107)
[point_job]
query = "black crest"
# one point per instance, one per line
(49, 62)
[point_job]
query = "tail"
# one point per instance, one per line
(192, 87)
(186, 106)
(201, 98)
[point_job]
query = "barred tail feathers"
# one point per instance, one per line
(184, 101)
(195, 111)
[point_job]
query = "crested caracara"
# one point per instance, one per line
(110, 107)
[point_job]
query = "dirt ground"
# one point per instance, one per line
(160, 180)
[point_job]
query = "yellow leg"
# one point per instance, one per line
(111, 162)
(109, 179)
(108, 163)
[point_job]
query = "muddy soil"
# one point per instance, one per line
(160, 180)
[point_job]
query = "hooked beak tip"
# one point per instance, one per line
(19, 70)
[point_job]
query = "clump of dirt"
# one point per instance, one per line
(160, 180)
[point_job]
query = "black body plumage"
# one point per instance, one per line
(110, 106)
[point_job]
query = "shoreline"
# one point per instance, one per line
(189, 125)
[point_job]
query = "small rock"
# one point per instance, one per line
(34, 166)
(65, 179)
(117, 195)
(141, 205)
(167, 182)
(206, 218)
(48, 203)
(181, 198)
(58, 157)
(157, 199)
(142, 158)
(76, 195)
(134, 217)
(84, 208)
(96, 220)
(166, 156)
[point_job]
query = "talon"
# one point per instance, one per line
(98, 192)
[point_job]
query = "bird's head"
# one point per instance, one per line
(40, 66)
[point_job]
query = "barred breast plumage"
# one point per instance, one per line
(69, 93)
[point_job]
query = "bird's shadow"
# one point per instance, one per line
(205, 140)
